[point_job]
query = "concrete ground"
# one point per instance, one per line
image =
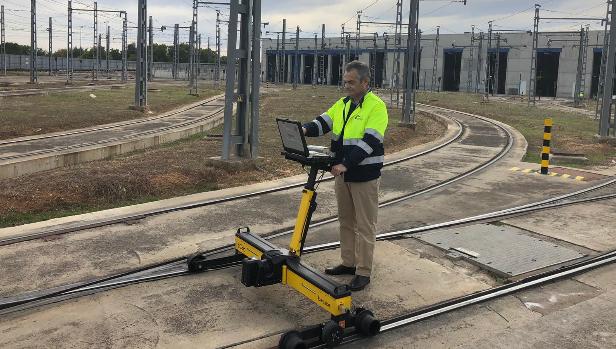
(215, 309)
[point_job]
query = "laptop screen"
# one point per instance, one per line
(293, 140)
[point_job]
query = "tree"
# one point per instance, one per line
(161, 53)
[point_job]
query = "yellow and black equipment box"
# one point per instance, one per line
(265, 264)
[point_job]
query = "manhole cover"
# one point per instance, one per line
(501, 249)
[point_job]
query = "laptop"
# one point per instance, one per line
(294, 141)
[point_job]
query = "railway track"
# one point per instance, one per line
(107, 128)
(204, 203)
(177, 267)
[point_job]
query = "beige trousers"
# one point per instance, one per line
(358, 204)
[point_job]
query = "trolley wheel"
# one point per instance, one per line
(193, 262)
(331, 334)
(367, 324)
(292, 340)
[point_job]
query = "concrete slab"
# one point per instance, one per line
(571, 224)
(589, 324)
(550, 298)
(454, 329)
(576, 315)
(215, 309)
(503, 249)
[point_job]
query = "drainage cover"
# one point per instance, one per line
(502, 249)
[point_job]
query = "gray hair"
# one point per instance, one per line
(361, 68)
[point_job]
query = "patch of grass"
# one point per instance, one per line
(32, 115)
(572, 132)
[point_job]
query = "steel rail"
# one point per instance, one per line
(480, 296)
(486, 295)
(130, 137)
(227, 248)
(178, 266)
(118, 279)
(105, 222)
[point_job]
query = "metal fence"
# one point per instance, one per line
(58, 64)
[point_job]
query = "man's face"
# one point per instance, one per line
(353, 86)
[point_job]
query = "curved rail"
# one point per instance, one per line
(204, 203)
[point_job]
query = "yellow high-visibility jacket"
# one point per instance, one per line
(357, 139)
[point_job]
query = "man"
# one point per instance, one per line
(358, 124)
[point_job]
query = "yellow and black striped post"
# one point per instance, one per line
(545, 152)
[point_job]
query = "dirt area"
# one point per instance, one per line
(573, 132)
(40, 114)
(182, 167)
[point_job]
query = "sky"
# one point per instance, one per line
(451, 16)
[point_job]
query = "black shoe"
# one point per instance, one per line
(340, 270)
(359, 282)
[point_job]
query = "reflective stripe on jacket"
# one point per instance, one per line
(360, 148)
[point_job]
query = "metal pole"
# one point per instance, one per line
(150, 49)
(50, 30)
(107, 42)
(605, 122)
(3, 39)
(198, 64)
(69, 45)
(176, 39)
(497, 67)
(578, 75)
(277, 70)
(417, 57)
(469, 79)
(141, 82)
(95, 70)
(385, 41)
(98, 55)
(488, 62)
(345, 57)
(408, 117)
(230, 80)
(217, 73)
(398, 47)
(296, 63)
(256, 71)
(193, 50)
(191, 58)
(435, 62)
(283, 61)
(243, 80)
(33, 46)
(322, 75)
(532, 79)
(606, 40)
(358, 33)
(315, 65)
(479, 62)
(125, 48)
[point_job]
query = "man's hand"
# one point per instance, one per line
(304, 130)
(339, 169)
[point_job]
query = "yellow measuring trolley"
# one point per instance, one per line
(265, 264)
